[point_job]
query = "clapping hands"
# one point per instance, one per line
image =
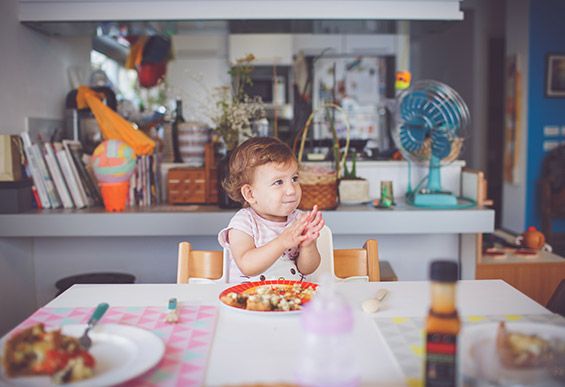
(305, 230)
(314, 223)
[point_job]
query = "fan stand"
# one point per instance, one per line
(433, 196)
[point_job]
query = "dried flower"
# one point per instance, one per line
(236, 110)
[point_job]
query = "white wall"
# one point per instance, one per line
(199, 66)
(33, 82)
(33, 71)
(517, 42)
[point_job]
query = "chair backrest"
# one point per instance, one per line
(347, 264)
(343, 264)
(198, 265)
(354, 263)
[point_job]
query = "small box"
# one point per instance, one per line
(187, 185)
(15, 196)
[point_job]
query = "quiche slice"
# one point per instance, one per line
(519, 350)
(33, 351)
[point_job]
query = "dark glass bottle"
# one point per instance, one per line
(442, 327)
(179, 119)
(224, 201)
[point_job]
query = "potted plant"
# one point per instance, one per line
(235, 110)
(234, 117)
(353, 189)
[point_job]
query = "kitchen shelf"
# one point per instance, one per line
(207, 220)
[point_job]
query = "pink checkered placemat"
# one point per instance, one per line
(187, 343)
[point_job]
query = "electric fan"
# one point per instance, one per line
(431, 119)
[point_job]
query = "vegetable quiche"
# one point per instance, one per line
(33, 351)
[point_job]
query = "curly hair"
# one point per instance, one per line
(249, 155)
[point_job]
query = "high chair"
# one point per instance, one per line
(347, 264)
(201, 265)
(343, 264)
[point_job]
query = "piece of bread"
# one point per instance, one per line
(235, 299)
(257, 303)
(518, 350)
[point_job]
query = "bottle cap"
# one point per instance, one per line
(444, 271)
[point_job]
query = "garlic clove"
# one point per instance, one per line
(371, 305)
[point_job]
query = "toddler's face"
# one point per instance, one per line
(275, 191)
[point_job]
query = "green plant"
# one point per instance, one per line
(351, 174)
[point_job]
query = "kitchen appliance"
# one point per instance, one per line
(431, 119)
(361, 85)
(271, 83)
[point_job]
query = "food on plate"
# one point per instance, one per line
(273, 297)
(519, 350)
(33, 351)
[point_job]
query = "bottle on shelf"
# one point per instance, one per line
(179, 119)
(442, 326)
(327, 356)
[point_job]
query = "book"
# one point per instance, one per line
(34, 171)
(52, 193)
(75, 153)
(57, 175)
(72, 183)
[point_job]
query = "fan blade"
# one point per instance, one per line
(441, 143)
(412, 137)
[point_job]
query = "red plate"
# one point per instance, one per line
(249, 286)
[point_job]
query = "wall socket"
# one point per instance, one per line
(551, 130)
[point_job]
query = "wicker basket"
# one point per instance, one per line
(319, 186)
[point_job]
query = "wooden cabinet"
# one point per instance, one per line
(537, 276)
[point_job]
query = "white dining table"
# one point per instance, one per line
(250, 349)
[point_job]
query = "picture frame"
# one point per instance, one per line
(555, 76)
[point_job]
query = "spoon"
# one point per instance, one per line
(85, 341)
(373, 304)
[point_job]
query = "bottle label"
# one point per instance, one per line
(441, 350)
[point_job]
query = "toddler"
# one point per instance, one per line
(268, 238)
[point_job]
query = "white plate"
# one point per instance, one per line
(480, 364)
(121, 352)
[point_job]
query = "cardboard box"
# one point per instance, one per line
(11, 157)
(16, 196)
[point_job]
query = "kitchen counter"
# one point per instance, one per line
(208, 220)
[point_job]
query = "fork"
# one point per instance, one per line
(85, 341)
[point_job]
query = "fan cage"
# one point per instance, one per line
(431, 118)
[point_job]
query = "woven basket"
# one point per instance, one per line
(319, 186)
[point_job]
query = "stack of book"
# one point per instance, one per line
(61, 177)
(144, 187)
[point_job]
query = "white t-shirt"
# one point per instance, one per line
(262, 231)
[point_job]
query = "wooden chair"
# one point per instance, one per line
(201, 264)
(211, 265)
(358, 262)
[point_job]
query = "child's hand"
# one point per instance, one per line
(313, 227)
(294, 234)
